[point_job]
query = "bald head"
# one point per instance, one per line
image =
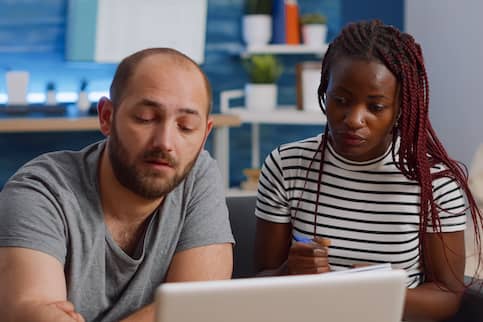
(127, 68)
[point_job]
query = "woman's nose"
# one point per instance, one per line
(355, 117)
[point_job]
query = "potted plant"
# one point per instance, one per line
(314, 29)
(261, 91)
(83, 102)
(50, 97)
(257, 22)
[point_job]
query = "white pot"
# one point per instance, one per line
(257, 29)
(17, 87)
(314, 35)
(261, 97)
(83, 103)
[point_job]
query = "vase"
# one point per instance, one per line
(257, 29)
(314, 35)
(260, 97)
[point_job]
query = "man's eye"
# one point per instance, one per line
(185, 128)
(143, 120)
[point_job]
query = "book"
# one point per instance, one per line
(292, 25)
(278, 22)
(362, 269)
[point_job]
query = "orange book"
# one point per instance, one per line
(292, 27)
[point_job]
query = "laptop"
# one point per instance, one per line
(365, 296)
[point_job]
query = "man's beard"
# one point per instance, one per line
(142, 182)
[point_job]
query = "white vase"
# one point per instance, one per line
(314, 35)
(257, 29)
(83, 103)
(51, 98)
(261, 97)
(17, 85)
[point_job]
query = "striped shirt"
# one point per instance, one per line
(369, 210)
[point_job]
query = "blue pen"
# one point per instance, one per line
(301, 239)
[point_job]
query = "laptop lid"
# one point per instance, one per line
(370, 296)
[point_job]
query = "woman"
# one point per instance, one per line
(386, 190)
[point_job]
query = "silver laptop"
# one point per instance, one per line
(370, 296)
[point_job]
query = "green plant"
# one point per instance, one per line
(258, 7)
(313, 18)
(50, 86)
(263, 69)
(83, 85)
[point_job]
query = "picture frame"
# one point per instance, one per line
(307, 75)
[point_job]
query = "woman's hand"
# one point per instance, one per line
(309, 258)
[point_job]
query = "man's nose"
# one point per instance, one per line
(164, 136)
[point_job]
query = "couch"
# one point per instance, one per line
(242, 218)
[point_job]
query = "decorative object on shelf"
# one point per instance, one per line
(292, 28)
(257, 22)
(307, 76)
(50, 95)
(286, 22)
(251, 183)
(314, 29)
(83, 103)
(261, 91)
(17, 86)
(281, 49)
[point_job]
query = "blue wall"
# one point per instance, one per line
(390, 12)
(32, 37)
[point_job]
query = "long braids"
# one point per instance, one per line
(419, 149)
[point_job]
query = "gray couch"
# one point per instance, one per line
(243, 225)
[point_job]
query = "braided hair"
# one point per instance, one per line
(419, 148)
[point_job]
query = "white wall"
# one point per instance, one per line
(451, 35)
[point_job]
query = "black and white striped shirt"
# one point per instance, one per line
(369, 210)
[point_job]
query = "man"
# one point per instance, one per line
(89, 235)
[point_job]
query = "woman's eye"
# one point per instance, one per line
(340, 100)
(376, 107)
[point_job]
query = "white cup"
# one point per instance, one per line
(17, 86)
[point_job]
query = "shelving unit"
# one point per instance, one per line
(281, 115)
(285, 49)
(86, 123)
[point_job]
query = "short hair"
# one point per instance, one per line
(127, 67)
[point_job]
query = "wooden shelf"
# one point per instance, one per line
(280, 115)
(88, 123)
(285, 49)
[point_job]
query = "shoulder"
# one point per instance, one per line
(204, 177)
(203, 165)
(59, 169)
(444, 184)
(295, 151)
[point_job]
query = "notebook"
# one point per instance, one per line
(364, 296)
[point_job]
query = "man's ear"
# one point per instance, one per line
(105, 112)
(209, 127)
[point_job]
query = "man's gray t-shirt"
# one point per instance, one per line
(52, 204)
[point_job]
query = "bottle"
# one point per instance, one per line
(83, 103)
(292, 30)
(50, 96)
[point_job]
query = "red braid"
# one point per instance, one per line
(419, 148)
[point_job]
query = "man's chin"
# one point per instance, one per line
(154, 189)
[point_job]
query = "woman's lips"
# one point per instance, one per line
(351, 139)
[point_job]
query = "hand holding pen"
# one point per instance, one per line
(308, 256)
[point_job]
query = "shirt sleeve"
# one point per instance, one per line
(207, 221)
(31, 217)
(451, 205)
(272, 200)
